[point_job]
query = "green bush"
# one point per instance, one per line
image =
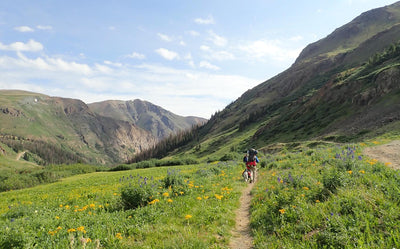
(134, 197)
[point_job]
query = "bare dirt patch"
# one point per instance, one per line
(386, 153)
(241, 235)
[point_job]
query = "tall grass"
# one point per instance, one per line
(329, 197)
(189, 207)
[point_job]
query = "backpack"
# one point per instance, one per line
(252, 155)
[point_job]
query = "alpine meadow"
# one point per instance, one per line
(130, 174)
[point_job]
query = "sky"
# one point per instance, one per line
(191, 57)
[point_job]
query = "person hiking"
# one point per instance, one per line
(251, 161)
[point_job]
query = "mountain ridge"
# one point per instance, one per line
(69, 128)
(340, 88)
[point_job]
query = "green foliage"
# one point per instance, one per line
(13, 180)
(141, 208)
(134, 197)
(330, 197)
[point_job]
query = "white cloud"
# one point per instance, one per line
(208, 20)
(115, 64)
(136, 55)
(165, 37)
(216, 55)
(272, 49)
(193, 33)
(206, 64)
(30, 46)
(216, 39)
(44, 27)
(24, 29)
(296, 38)
(205, 48)
(167, 54)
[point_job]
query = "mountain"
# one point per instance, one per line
(61, 130)
(341, 88)
(160, 122)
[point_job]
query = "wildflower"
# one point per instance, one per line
(71, 230)
(169, 200)
(57, 217)
(154, 201)
(219, 197)
(362, 171)
(88, 240)
(388, 163)
(199, 198)
(188, 216)
(118, 236)
(166, 194)
(205, 197)
(282, 211)
(181, 193)
(350, 172)
(305, 188)
(59, 228)
(317, 201)
(81, 229)
(92, 205)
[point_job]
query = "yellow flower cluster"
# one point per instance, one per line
(52, 233)
(118, 236)
(219, 197)
(372, 161)
(154, 201)
(79, 229)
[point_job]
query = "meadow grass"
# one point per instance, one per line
(326, 197)
(86, 211)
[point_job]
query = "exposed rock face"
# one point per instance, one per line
(160, 122)
(72, 126)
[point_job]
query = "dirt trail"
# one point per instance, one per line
(21, 154)
(386, 153)
(241, 235)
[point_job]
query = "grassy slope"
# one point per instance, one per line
(308, 195)
(87, 207)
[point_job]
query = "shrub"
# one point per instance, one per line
(134, 197)
(173, 179)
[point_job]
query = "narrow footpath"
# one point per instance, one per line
(241, 235)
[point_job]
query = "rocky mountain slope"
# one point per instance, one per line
(340, 88)
(60, 130)
(160, 122)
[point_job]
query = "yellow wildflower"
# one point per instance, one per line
(305, 188)
(118, 236)
(199, 198)
(188, 216)
(169, 200)
(282, 211)
(166, 194)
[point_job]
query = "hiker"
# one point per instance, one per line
(251, 161)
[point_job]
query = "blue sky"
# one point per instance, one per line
(189, 57)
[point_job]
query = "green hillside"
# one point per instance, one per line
(342, 88)
(59, 130)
